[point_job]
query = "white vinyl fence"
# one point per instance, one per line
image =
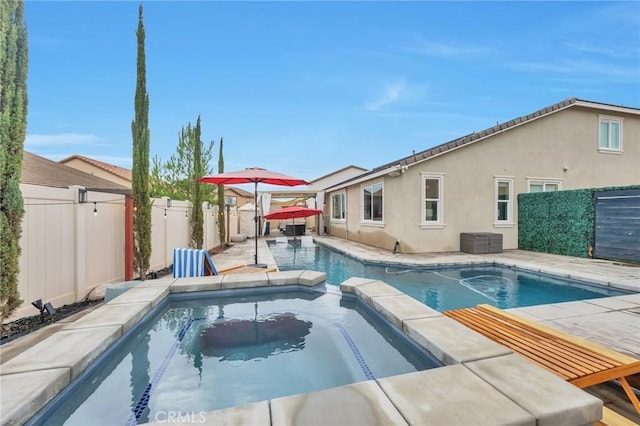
(68, 249)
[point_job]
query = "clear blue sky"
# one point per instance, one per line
(306, 88)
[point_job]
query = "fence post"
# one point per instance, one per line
(80, 231)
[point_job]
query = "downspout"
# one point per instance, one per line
(346, 228)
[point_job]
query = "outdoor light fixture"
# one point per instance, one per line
(165, 213)
(46, 308)
(82, 195)
(398, 170)
(37, 304)
(95, 208)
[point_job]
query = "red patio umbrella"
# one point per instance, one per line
(255, 175)
(292, 212)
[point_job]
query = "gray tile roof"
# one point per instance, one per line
(38, 170)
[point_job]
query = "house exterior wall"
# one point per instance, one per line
(83, 166)
(241, 199)
(562, 146)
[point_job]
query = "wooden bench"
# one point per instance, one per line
(240, 269)
(577, 361)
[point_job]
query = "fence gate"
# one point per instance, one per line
(617, 233)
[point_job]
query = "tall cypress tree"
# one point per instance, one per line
(222, 231)
(197, 219)
(140, 171)
(13, 126)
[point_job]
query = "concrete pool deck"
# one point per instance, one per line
(485, 368)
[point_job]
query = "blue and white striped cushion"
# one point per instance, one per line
(190, 262)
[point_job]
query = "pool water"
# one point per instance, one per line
(445, 288)
(200, 353)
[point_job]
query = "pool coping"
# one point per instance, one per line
(478, 373)
(390, 259)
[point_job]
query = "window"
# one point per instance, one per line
(338, 206)
(544, 185)
(372, 198)
(432, 211)
(610, 134)
(504, 204)
(230, 200)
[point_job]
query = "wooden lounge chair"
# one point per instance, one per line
(577, 361)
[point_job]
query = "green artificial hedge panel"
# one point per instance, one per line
(559, 222)
(556, 222)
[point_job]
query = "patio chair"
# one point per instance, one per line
(199, 263)
(192, 263)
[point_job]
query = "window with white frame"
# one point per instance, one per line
(338, 206)
(432, 200)
(544, 185)
(372, 203)
(610, 134)
(504, 201)
(230, 200)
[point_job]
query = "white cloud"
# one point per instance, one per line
(62, 139)
(598, 50)
(444, 50)
(608, 71)
(391, 94)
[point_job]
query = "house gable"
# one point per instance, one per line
(107, 171)
(37, 170)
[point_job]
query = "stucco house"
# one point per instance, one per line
(335, 177)
(103, 170)
(237, 197)
(470, 184)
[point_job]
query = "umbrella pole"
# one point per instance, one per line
(255, 219)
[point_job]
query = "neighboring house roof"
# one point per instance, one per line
(113, 169)
(418, 157)
(38, 170)
(240, 191)
(338, 171)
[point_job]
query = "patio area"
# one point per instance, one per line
(611, 322)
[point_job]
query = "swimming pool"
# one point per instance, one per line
(445, 288)
(201, 352)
